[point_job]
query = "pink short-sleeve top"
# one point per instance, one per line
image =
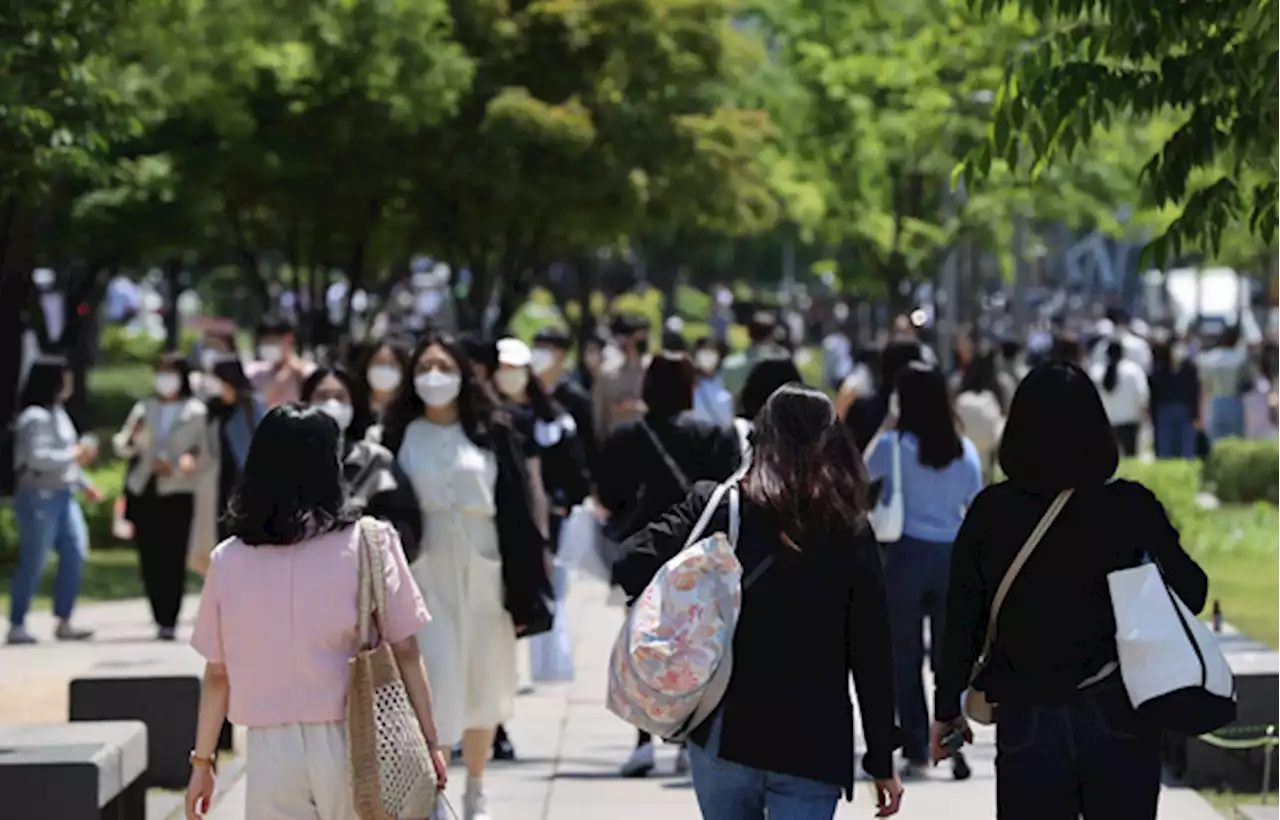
(283, 621)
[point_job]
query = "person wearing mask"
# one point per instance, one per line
(1068, 742)
(616, 395)
(711, 401)
(277, 651)
(763, 335)
(48, 461)
(1125, 395)
(941, 473)
(483, 566)
(1224, 369)
(167, 437)
(279, 372)
(216, 344)
(866, 414)
(234, 414)
(1175, 400)
(803, 510)
(981, 405)
(376, 486)
(548, 360)
(383, 369)
(649, 464)
(590, 361)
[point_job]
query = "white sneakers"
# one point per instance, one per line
(640, 763)
(475, 805)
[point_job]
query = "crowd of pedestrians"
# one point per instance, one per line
(858, 520)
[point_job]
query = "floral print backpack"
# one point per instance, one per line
(672, 661)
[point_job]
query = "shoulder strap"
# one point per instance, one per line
(676, 472)
(1033, 540)
(372, 590)
(712, 504)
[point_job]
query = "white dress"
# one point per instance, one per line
(470, 644)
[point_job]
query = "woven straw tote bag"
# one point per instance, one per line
(392, 777)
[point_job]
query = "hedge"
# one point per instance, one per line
(1241, 471)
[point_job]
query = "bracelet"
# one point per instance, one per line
(198, 762)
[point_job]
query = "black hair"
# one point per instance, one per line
(628, 324)
(717, 344)
(554, 337)
(926, 413)
(1058, 434)
(1066, 348)
(1117, 316)
(231, 371)
(291, 488)
(897, 356)
(181, 365)
(1162, 355)
(477, 410)
(806, 473)
(361, 417)
(1115, 352)
(1009, 349)
(764, 379)
(45, 380)
(399, 348)
(983, 375)
(668, 384)
(671, 340)
(763, 327)
(479, 350)
(275, 325)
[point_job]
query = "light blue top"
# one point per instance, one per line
(934, 501)
(712, 402)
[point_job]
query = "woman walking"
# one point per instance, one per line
(815, 614)
(382, 372)
(1125, 394)
(941, 473)
(167, 438)
(1175, 400)
(234, 414)
(49, 461)
(1068, 742)
(277, 651)
(483, 567)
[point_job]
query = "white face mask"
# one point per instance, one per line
(542, 360)
(437, 389)
(707, 360)
(208, 358)
(271, 354)
(210, 386)
(167, 384)
(339, 411)
(1179, 353)
(511, 382)
(384, 377)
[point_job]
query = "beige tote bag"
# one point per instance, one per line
(392, 777)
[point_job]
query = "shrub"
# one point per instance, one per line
(1244, 470)
(121, 344)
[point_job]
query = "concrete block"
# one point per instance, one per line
(162, 693)
(73, 771)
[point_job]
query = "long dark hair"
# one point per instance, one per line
(363, 359)
(805, 471)
(544, 406)
(44, 382)
(1115, 352)
(982, 375)
(668, 384)
(291, 487)
(765, 377)
(361, 417)
(926, 413)
(477, 411)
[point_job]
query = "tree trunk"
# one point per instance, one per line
(172, 320)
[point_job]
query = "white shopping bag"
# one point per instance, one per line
(577, 547)
(551, 653)
(1171, 663)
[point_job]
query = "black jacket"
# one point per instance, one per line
(527, 589)
(1056, 627)
(380, 489)
(576, 399)
(812, 618)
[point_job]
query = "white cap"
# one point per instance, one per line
(1105, 327)
(514, 353)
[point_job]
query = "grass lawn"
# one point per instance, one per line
(1240, 554)
(110, 575)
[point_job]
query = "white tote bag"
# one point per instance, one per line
(1173, 668)
(889, 515)
(551, 653)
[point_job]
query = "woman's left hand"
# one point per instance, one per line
(941, 729)
(186, 464)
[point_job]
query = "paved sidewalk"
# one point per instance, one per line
(570, 748)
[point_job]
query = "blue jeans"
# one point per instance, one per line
(915, 578)
(1175, 431)
(1088, 756)
(731, 791)
(47, 520)
(1226, 417)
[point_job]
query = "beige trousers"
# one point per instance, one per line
(298, 772)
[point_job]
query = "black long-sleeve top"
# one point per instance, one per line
(809, 620)
(1056, 627)
(1181, 386)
